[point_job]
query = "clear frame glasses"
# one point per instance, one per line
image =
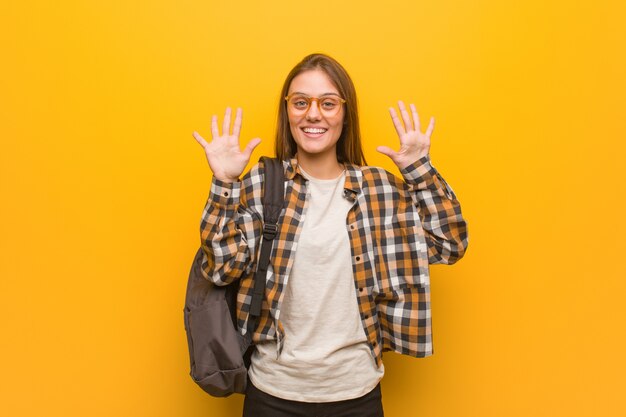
(329, 105)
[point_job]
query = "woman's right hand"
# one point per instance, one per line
(226, 159)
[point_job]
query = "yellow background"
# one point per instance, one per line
(103, 188)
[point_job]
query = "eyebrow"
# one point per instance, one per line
(325, 94)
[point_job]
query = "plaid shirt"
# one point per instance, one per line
(396, 229)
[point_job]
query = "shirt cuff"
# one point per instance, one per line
(224, 193)
(420, 173)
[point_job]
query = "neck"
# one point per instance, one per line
(323, 167)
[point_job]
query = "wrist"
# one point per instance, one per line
(226, 180)
(421, 158)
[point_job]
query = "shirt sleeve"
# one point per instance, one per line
(439, 211)
(230, 229)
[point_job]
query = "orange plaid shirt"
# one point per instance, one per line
(396, 229)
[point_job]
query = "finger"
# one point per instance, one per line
(416, 118)
(408, 125)
(431, 126)
(200, 139)
(250, 147)
(396, 121)
(214, 130)
(237, 126)
(226, 125)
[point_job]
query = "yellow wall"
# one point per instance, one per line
(103, 188)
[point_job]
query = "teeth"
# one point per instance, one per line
(312, 130)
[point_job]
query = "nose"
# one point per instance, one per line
(313, 112)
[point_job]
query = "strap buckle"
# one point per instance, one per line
(269, 231)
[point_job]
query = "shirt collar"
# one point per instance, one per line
(352, 186)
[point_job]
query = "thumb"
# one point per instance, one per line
(250, 147)
(199, 139)
(385, 150)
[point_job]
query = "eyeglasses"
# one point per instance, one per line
(299, 104)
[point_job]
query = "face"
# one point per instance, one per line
(323, 140)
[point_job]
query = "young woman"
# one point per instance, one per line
(349, 273)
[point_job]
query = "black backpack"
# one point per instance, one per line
(219, 355)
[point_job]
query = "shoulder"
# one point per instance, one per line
(257, 171)
(377, 176)
(252, 185)
(252, 182)
(254, 176)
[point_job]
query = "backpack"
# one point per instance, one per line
(219, 354)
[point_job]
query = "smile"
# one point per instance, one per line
(314, 130)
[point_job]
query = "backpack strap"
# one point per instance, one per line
(273, 202)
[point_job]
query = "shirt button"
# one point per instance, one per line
(358, 258)
(225, 193)
(360, 289)
(374, 344)
(351, 227)
(367, 316)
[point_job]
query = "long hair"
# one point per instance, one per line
(349, 144)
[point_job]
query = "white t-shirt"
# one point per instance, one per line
(325, 356)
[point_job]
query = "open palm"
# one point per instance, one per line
(225, 157)
(413, 143)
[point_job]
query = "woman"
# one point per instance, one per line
(349, 272)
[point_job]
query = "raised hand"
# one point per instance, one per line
(413, 143)
(226, 159)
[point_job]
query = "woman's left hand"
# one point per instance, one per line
(413, 143)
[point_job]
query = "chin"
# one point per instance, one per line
(314, 148)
